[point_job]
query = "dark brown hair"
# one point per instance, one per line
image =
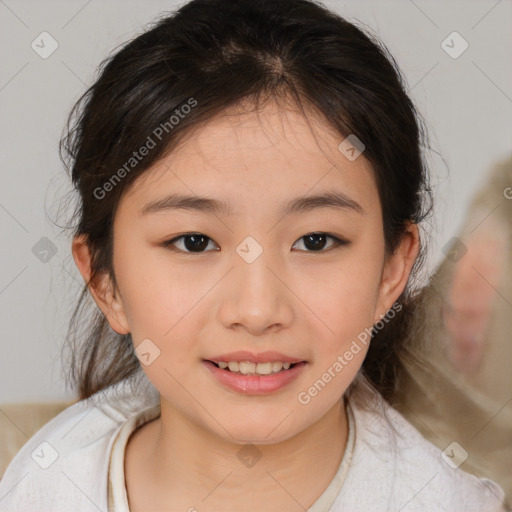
(218, 53)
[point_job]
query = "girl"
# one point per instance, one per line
(251, 190)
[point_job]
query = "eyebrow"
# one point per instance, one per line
(335, 200)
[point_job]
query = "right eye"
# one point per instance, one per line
(191, 243)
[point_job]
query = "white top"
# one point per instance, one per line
(65, 465)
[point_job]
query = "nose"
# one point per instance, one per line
(256, 298)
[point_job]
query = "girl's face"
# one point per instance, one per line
(250, 279)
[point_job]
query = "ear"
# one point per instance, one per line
(101, 290)
(397, 269)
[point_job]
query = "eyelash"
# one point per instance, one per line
(338, 242)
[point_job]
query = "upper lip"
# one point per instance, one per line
(262, 357)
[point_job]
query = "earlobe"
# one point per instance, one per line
(397, 269)
(101, 289)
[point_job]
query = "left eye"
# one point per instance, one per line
(197, 242)
(316, 241)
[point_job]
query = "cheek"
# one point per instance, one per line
(346, 307)
(343, 298)
(158, 298)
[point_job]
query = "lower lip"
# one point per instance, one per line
(255, 384)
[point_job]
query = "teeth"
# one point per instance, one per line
(276, 367)
(233, 366)
(247, 368)
(263, 368)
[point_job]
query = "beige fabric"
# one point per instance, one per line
(463, 393)
(18, 422)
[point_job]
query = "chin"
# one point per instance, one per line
(264, 432)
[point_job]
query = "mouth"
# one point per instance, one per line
(254, 378)
(255, 369)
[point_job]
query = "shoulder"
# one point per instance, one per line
(65, 464)
(395, 468)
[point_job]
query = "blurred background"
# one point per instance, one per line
(454, 55)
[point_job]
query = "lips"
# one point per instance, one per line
(255, 384)
(250, 357)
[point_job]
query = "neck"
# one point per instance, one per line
(190, 466)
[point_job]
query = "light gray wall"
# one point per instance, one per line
(467, 102)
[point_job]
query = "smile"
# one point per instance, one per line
(247, 378)
(248, 368)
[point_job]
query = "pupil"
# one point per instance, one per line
(315, 241)
(199, 242)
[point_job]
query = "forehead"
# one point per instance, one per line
(258, 157)
(254, 133)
